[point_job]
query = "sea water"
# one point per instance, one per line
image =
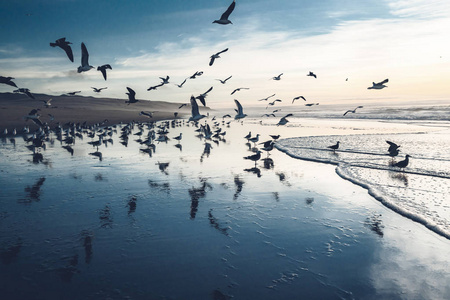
(185, 223)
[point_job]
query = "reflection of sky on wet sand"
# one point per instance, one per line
(201, 226)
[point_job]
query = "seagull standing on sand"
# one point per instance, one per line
(194, 111)
(403, 163)
(84, 60)
(225, 80)
(238, 89)
(216, 55)
(334, 147)
(254, 157)
(379, 85)
(202, 97)
(224, 18)
(277, 77)
(65, 45)
(103, 69)
(311, 74)
(240, 111)
(352, 111)
(298, 97)
(7, 80)
(131, 96)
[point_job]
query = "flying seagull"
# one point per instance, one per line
(165, 80)
(195, 113)
(181, 84)
(65, 45)
(225, 80)
(393, 148)
(131, 96)
(283, 120)
(267, 98)
(277, 77)
(147, 113)
(238, 89)
(311, 74)
(298, 97)
(47, 103)
(7, 80)
(240, 111)
(24, 91)
(98, 90)
(155, 87)
(84, 60)
(73, 93)
(352, 111)
(202, 97)
(273, 102)
(224, 18)
(216, 55)
(198, 73)
(103, 69)
(379, 85)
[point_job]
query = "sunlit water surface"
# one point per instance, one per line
(211, 226)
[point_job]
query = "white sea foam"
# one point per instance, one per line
(420, 192)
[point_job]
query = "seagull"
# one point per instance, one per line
(47, 103)
(240, 111)
(178, 138)
(131, 96)
(148, 114)
(225, 80)
(73, 93)
(268, 115)
(202, 97)
(184, 104)
(275, 137)
(277, 77)
(283, 120)
(98, 90)
(103, 69)
(312, 74)
(155, 87)
(311, 104)
(379, 85)
(334, 147)
(393, 147)
(224, 18)
(238, 89)
(267, 98)
(63, 44)
(254, 157)
(352, 111)
(84, 60)
(198, 73)
(24, 91)
(273, 102)
(254, 139)
(298, 97)
(214, 56)
(181, 84)
(7, 80)
(403, 163)
(195, 113)
(165, 80)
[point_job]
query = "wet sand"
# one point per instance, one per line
(78, 109)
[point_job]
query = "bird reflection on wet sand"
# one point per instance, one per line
(105, 217)
(254, 170)
(374, 224)
(33, 192)
(87, 238)
(239, 183)
(196, 194)
(131, 204)
(162, 186)
(403, 178)
(215, 223)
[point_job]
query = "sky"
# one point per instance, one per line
(406, 41)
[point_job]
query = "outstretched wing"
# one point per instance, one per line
(239, 106)
(209, 90)
(227, 13)
(194, 107)
(383, 82)
(84, 55)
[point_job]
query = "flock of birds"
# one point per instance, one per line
(41, 135)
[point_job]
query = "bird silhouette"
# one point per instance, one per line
(224, 18)
(84, 60)
(65, 45)
(378, 86)
(216, 55)
(103, 69)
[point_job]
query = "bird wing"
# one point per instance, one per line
(224, 50)
(392, 144)
(347, 112)
(131, 93)
(228, 78)
(202, 99)
(194, 107)
(103, 70)
(209, 90)
(239, 106)
(84, 55)
(383, 82)
(68, 51)
(212, 60)
(234, 91)
(227, 13)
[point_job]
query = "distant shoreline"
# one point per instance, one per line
(79, 109)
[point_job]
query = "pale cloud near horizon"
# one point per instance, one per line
(406, 48)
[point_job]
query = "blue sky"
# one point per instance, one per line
(365, 41)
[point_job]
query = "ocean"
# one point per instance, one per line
(195, 220)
